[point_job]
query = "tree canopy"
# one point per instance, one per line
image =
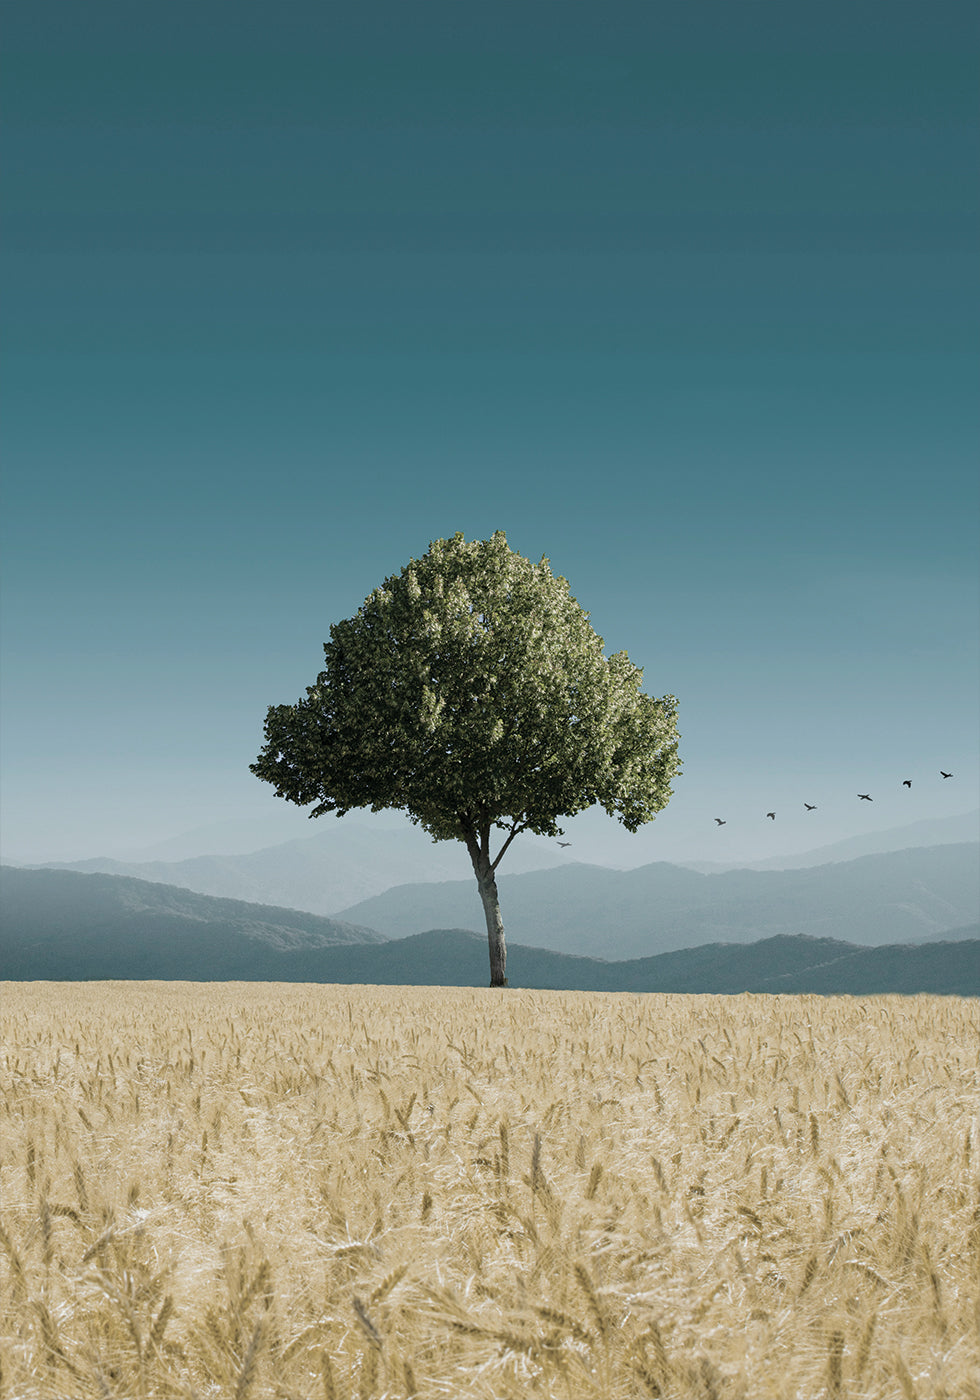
(471, 691)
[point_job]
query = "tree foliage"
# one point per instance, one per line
(471, 691)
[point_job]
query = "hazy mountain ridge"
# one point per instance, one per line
(67, 926)
(953, 935)
(903, 896)
(54, 918)
(339, 865)
(346, 862)
(934, 831)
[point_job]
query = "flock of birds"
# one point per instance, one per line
(812, 806)
(864, 796)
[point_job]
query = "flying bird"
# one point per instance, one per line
(907, 783)
(564, 843)
(809, 808)
(944, 775)
(771, 814)
(720, 822)
(865, 797)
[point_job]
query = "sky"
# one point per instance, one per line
(683, 297)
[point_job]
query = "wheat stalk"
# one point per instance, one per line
(250, 1364)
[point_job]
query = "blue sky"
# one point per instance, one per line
(683, 297)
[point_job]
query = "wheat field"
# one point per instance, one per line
(354, 1193)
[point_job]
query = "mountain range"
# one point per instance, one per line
(64, 926)
(58, 924)
(345, 862)
(339, 865)
(900, 897)
(934, 831)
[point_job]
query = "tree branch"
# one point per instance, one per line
(515, 830)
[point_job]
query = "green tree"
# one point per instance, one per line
(471, 692)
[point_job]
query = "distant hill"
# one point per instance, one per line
(339, 865)
(64, 926)
(784, 965)
(59, 924)
(900, 897)
(954, 935)
(934, 831)
(457, 957)
(346, 862)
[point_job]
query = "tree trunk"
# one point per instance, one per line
(495, 926)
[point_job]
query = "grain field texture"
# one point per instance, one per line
(356, 1193)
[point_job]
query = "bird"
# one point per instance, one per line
(944, 775)
(865, 797)
(720, 822)
(907, 783)
(564, 843)
(809, 808)
(772, 815)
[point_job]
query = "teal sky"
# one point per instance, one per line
(684, 297)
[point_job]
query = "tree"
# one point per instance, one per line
(471, 692)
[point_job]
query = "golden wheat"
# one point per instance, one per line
(385, 1193)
